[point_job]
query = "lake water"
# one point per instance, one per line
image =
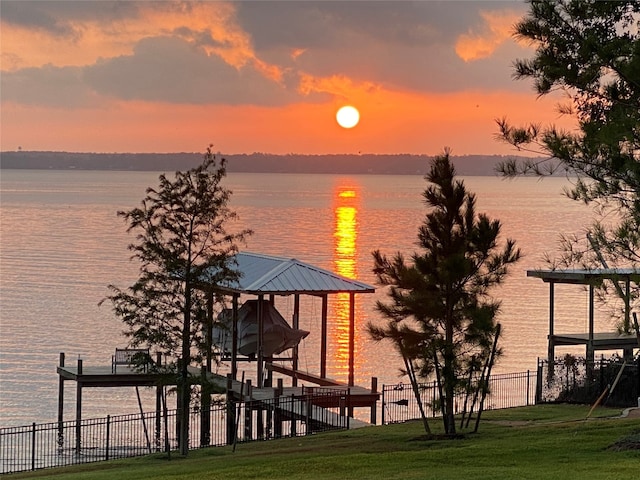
(61, 244)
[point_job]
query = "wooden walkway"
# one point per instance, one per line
(323, 399)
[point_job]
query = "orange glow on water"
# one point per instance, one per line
(344, 259)
(347, 194)
(345, 245)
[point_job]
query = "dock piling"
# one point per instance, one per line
(79, 408)
(61, 405)
(277, 414)
(248, 424)
(231, 411)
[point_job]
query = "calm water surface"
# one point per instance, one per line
(62, 244)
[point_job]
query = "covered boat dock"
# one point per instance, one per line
(593, 340)
(264, 277)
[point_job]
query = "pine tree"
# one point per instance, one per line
(181, 234)
(440, 316)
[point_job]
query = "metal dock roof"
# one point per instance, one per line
(266, 274)
(585, 276)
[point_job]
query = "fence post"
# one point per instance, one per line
(434, 390)
(382, 416)
(528, 388)
(108, 437)
(539, 383)
(601, 381)
(374, 405)
(33, 446)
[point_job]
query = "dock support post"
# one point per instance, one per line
(294, 417)
(248, 421)
(179, 406)
(208, 334)
(277, 414)
(551, 353)
(352, 340)
(352, 344)
(296, 325)
(269, 409)
(234, 337)
(158, 407)
(231, 412)
(627, 353)
(374, 405)
(61, 404)
(590, 350)
(79, 408)
(205, 411)
(323, 338)
(259, 422)
(260, 314)
(306, 409)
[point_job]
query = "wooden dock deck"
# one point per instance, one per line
(102, 376)
(599, 340)
(323, 397)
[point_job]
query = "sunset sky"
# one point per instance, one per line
(263, 76)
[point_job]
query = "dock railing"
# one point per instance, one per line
(56, 444)
(505, 391)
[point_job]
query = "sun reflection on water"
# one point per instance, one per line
(344, 259)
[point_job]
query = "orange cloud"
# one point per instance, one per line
(297, 52)
(497, 28)
(211, 26)
(337, 85)
(268, 70)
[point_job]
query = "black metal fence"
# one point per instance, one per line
(57, 444)
(506, 390)
(573, 379)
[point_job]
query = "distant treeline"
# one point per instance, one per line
(401, 164)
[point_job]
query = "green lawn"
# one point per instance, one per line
(542, 442)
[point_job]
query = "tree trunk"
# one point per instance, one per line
(439, 381)
(416, 390)
(449, 379)
(485, 381)
(184, 389)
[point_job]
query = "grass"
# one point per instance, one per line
(541, 442)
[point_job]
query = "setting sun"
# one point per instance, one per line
(348, 116)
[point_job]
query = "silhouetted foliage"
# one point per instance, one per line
(181, 235)
(440, 316)
(590, 51)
